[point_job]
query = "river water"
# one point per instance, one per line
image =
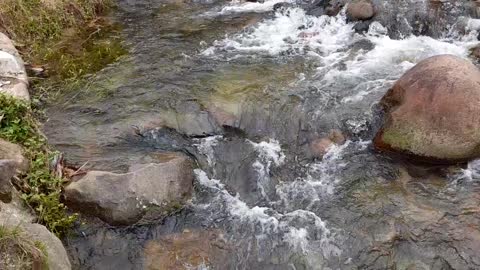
(244, 89)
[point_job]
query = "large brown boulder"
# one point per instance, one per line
(122, 199)
(433, 112)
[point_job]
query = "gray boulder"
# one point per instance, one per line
(57, 257)
(7, 171)
(11, 162)
(13, 77)
(13, 152)
(15, 215)
(122, 199)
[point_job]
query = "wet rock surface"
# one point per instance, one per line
(194, 249)
(431, 111)
(476, 52)
(122, 199)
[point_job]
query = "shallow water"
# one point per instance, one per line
(244, 90)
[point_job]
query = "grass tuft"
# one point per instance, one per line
(19, 252)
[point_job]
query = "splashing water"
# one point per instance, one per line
(276, 205)
(300, 229)
(239, 7)
(205, 146)
(291, 30)
(471, 173)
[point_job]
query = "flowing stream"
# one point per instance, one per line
(244, 89)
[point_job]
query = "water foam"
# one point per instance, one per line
(471, 173)
(259, 7)
(299, 229)
(269, 153)
(331, 40)
(320, 181)
(291, 30)
(205, 146)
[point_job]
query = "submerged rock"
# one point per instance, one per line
(432, 112)
(197, 249)
(360, 10)
(122, 199)
(320, 147)
(476, 52)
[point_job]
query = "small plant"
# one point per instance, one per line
(39, 187)
(19, 252)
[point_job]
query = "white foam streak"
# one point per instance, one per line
(330, 40)
(270, 151)
(296, 228)
(321, 179)
(291, 30)
(379, 68)
(259, 7)
(471, 173)
(206, 146)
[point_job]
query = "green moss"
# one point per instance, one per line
(83, 53)
(17, 251)
(70, 38)
(399, 139)
(39, 187)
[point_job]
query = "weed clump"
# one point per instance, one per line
(19, 252)
(69, 38)
(39, 187)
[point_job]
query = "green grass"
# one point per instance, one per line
(70, 40)
(39, 187)
(17, 251)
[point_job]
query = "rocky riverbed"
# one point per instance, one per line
(239, 135)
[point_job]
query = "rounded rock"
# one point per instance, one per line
(432, 112)
(360, 10)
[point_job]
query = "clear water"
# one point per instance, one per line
(279, 80)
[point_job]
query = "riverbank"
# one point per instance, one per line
(47, 47)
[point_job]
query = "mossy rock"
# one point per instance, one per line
(432, 112)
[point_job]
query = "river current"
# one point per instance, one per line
(243, 89)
